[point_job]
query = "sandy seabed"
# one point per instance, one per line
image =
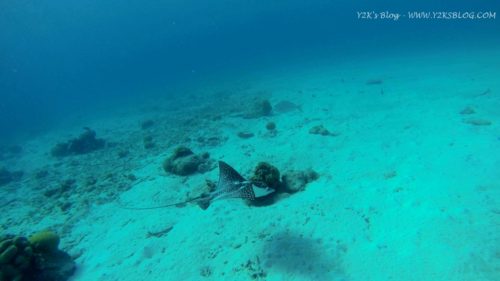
(409, 184)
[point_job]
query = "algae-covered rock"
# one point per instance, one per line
(271, 129)
(321, 130)
(186, 165)
(267, 174)
(184, 162)
(294, 181)
(16, 258)
(34, 259)
(259, 108)
(56, 266)
(85, 143)
(181, 151)
(263, 108)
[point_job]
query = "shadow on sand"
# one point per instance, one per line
(300, 257)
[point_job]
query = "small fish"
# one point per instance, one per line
(231, 185)
(286, 106)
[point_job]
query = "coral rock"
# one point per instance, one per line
(184, 162)
(85, 143)
(295, 181)
(8, 254)
(245, 135)
(268, 174)
(271, 126)
(259, 108)
(21, 260)
(56, 266)
(181, 151)
(45, 241)
(320, 130)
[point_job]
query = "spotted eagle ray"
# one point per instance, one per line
(231, 185)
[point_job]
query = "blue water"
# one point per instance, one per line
(59, 55)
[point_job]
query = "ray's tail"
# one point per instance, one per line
(203, 201)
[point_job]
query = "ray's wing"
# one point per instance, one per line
(229, 178)
(245, 192)
(232, 184)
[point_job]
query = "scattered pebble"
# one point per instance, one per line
(374, 82)
(271, 126)
(477, 122)
(131, 177)
(321, 130)
(245, 135)
(211, 141)
(159, 233)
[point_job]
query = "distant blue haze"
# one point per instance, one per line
(57, 56)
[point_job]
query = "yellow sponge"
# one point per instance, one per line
(45, 241)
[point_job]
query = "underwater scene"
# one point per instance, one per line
(249, 140)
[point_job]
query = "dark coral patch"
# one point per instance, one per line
(259, 108)
(7, 176)
(85, 143)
